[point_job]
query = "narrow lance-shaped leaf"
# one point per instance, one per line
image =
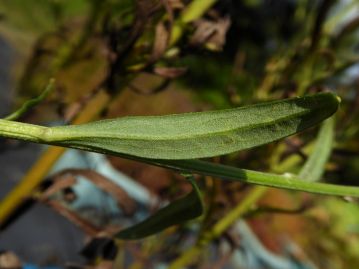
(314, 167)
(318, 107)
(177, 212)
(188, 135)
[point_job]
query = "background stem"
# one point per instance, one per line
(219, 228)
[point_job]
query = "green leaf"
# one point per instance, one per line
(179, 211)
(314, 167)
(196, 135)
(251, 126)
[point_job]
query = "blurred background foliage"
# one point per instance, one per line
(154, 57)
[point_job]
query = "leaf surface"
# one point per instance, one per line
(177, 212)
(314, 167)
(197, 135)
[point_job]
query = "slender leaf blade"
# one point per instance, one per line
(197, 135)
(177, 212)
(314, 167)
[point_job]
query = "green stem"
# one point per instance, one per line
(32, 103)
(23, 131)
(219, 228)
(286, 181)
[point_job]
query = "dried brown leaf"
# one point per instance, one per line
(211, 33)
(161, 42)
(170, 72)
(176, 4)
